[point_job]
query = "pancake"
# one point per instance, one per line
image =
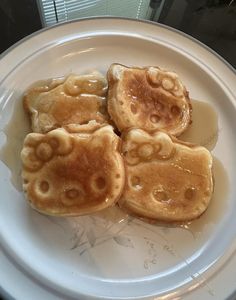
(75, 99)
(167, 179)
(147, 98)
(72, 174)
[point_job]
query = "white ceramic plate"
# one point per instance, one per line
(100, 257)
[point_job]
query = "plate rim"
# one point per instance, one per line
(209, 49)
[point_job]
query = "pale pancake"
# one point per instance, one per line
(166, 179)
(76, 99)
(148, 98)
(70, 174)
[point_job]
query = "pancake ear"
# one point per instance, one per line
(105, 138)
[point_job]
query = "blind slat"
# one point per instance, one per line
(71, 9)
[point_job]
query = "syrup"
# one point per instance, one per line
(204, 128)
(218, 202)
(15, 132)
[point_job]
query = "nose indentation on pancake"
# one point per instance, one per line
(72, 193)
(154, 118)
(190, 193)
(44, 151)
(72, 196)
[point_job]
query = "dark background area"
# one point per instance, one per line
(211, 21)
(18, 18)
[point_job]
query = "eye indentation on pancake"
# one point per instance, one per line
(160, 195)
(44, 186)
(190, 193)
(133, 108)
(121, 102)
(117, 175)
(135, 182)
(98, 182)
(42, 189)
(175, 110)
(167, 83)
(154, 118)
(44, 151)
(145, 150)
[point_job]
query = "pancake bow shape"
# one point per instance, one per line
(147, 98)
(75, 99)
(167, 179)
(72, 173)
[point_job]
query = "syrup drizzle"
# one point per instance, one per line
(204, 128)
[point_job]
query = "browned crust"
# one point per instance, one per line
(112, 86)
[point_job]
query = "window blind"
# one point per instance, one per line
(55, 11)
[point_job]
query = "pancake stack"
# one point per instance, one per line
(74, 163)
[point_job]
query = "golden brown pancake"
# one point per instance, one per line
(166, 179)
(70, 174)
(76, 99)
(148, 98)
